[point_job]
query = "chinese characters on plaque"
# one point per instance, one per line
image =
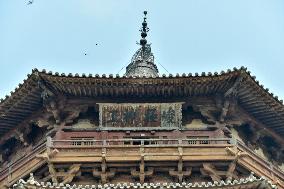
(140, 115)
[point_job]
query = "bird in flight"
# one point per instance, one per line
(30, 2)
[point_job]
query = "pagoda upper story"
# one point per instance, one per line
(142, 62)
(185, 131)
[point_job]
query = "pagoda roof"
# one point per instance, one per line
(250, 182)
(252, 97)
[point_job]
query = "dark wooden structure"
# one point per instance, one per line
(208, 131)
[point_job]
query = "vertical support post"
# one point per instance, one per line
(52, 172)
(48, 144)
(9, 171)
(142, 170)
(103, 165)
(179, 173)
(104, 168)
(180, 163)
(51, 168)
(142, 163)
(101, 115)
(104, 143)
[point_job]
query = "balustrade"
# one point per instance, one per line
(135, 142)
(50, 144)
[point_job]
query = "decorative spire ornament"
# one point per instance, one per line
(142, 63)
(144, 31)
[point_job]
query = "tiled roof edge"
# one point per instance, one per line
(83, 75)
(251, 179)
(183, 75)
(19, 87)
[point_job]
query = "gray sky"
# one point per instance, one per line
(186, 36)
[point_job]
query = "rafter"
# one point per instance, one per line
(210, 170)
(71, 173)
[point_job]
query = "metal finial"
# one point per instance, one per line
(142, 62)
(144, 31)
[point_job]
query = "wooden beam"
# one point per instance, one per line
(142, 170)
(73, 170)
(260, 125)
(225, 110)
(230, 172)
(103, 174)
(17, 113)
(210, 170)
(234, 89)
(46, 179)
(180, 174)
(103, 167)
(142, 173)
(5, 126)
(8, 120)
(52, 172)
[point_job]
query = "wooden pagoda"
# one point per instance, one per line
(141, 130)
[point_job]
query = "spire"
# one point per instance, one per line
(142, 62)
(144, 31)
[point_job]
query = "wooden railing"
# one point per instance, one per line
(137, 142)
(50, 144)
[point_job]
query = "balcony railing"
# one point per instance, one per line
(137, 142)
(11, 167)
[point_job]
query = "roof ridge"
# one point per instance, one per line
(242, 70)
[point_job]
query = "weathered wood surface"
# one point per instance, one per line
(178, 152)
(22, 167)
(256, 100)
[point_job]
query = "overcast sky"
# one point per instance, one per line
(186, 36)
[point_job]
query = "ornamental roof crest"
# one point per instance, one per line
(142, 62)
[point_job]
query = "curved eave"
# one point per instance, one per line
(256, 100)
(168, 86)
(20, 105)
(262, 105)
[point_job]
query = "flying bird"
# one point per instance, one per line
(30, 2)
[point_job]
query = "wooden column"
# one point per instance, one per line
(142, 173)
(180, 173)
(47, 156)
(103, 174)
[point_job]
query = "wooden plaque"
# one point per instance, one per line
(140, 115)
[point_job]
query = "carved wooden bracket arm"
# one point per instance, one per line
(233, 91)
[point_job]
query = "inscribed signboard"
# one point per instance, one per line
(140, 115)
